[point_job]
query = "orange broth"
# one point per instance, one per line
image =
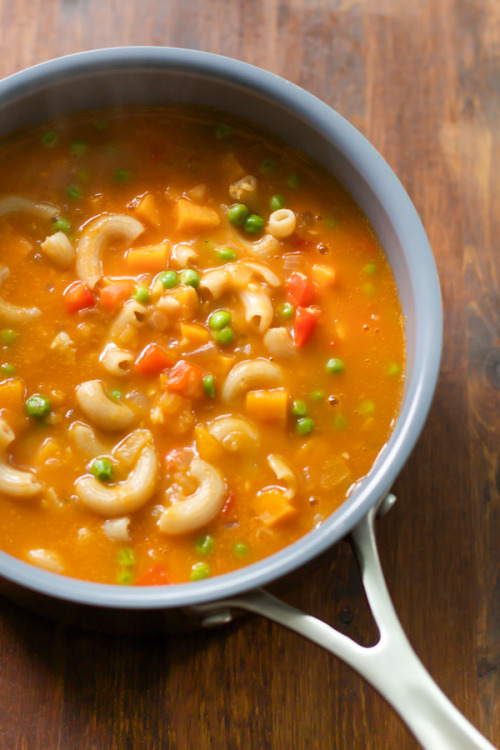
(338, 360)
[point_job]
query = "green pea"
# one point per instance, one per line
(223, 131)
(293, 181)
(286, 310)
(84, 175)
(394, 370)
(37, 406)
(331, 222)
(369, 289)
(225, 336)
(169, 279)
(141, 294)
(122, 175)
(102, 469)
(254, 224)
(78, 148)
(299, 409)
(126, 557)
(219, 319)
(62, 225)
(8, 370)
(240, 549)
(74, 193)
(370, 269)
(205, 545)
(124, 578)
(8, 336)
(238, 214)
(318, 395)
(304, 426)
(190, 277)
(367, 408)
(226, 253)
(267, 166)
(276, 202)
(101, 124)
(209, 385)
(199, 571)
(115, 394)
(339, 422)
(49, 139)
(334, 366)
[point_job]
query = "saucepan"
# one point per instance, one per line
(159, 76)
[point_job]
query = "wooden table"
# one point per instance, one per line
(421, 79)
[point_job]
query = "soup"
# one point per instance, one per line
(202, 346)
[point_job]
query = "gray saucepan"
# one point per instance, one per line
(160, 76)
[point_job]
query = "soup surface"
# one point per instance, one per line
(201, 345)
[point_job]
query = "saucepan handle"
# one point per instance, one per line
(391, 666)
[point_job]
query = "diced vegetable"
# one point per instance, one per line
(208, 384)
(394, 369)
(12, 402)
(7, 370)
(225, 336)
(152, 360)
(205, 545)
(208, 447)
(61, 225)
(199, 571)
(277, 202)
(299, 408)
(49, 139)
(193, 334)
(273, 507)
(304, 426)
(238, 214)
(335, 366)
(219, 319)
(114, 294)
(254, 224)
(148, 259)
(190, 277)
(306, 320)
(267, 166)
(77, 296)
(102, 469)
(223, 130)
(240, 550)
(268, 405)
(301, 291)
(147, 210)
(122, 175)
(286, 311)
(38, 406)
(126, 557)
(323, 276)
(293, 181)
(169, 279)
(78, 147)
(186, 379)
(8, 336)
(74, 192)
(191, 217)
(155, 576)
(141, 294)
(226, 254)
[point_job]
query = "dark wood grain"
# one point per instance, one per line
(422, 80)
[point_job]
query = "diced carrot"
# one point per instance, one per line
(152, 259)
(194, 218)
(268, 406)
(193, 334)
(208, 447)
(152, 360)
(323, 276)
(155, 576)
(228, 504)
(147, 210)
(272, 507)
(231, 166)
(12, 393)
(300, 290)
(306, 320)
(186, 379)
(112, 295)
(77, 296)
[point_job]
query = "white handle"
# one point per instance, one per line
(391, 666)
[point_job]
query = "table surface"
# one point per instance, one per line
(420, 79)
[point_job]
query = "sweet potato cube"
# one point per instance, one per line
(323, 276)
(273, 508)
(208, 447)
(147, 210)
(152, 259)
(194, 218)
(268, 406)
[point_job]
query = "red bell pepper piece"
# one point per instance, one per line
(77, 296)
(152, 360)
(300, 291)
(186, 379)
(155, 576)
(306, 320)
